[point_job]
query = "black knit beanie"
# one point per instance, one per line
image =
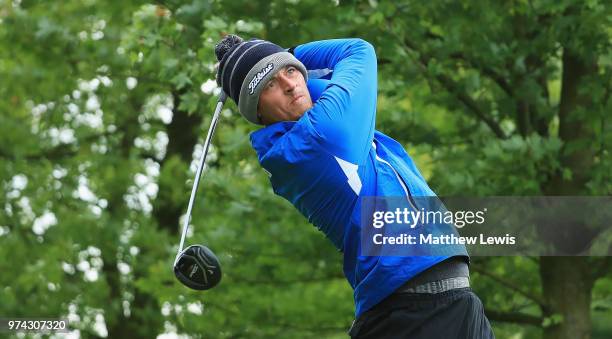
(245, 67)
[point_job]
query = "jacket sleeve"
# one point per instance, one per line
(345, 114)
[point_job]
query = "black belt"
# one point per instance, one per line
(447, 275)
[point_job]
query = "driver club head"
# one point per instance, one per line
(198, 268)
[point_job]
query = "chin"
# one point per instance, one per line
(300, 114)
(303, 109)
(296, 117)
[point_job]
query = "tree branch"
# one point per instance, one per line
(452, 87)
(602, 122)
(604, 268)
(488, 71)
(536, 298)
(57, 152)
(513, 317)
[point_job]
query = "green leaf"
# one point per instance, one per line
(189, 102)
(181, 80)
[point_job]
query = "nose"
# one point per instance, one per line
(288, 83)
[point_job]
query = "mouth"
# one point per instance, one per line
(297, 98)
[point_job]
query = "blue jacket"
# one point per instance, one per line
(324, 162)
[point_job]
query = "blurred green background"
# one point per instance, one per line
(104, 106)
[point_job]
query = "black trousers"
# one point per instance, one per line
(456, 313)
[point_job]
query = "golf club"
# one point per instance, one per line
(197, 267)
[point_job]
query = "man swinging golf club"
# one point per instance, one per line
(322, 152)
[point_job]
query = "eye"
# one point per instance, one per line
(290, 70)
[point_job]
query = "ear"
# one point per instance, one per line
(259, 117)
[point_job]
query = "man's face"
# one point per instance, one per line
(285, 97)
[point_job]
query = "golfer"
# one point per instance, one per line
(318, 144)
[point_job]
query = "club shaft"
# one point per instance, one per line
(196, 182)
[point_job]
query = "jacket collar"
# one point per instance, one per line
(263, 139)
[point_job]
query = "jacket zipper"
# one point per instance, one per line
(399, 178)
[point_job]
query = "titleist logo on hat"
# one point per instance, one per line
(260, 75)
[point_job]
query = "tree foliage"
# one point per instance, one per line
(104, 106)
